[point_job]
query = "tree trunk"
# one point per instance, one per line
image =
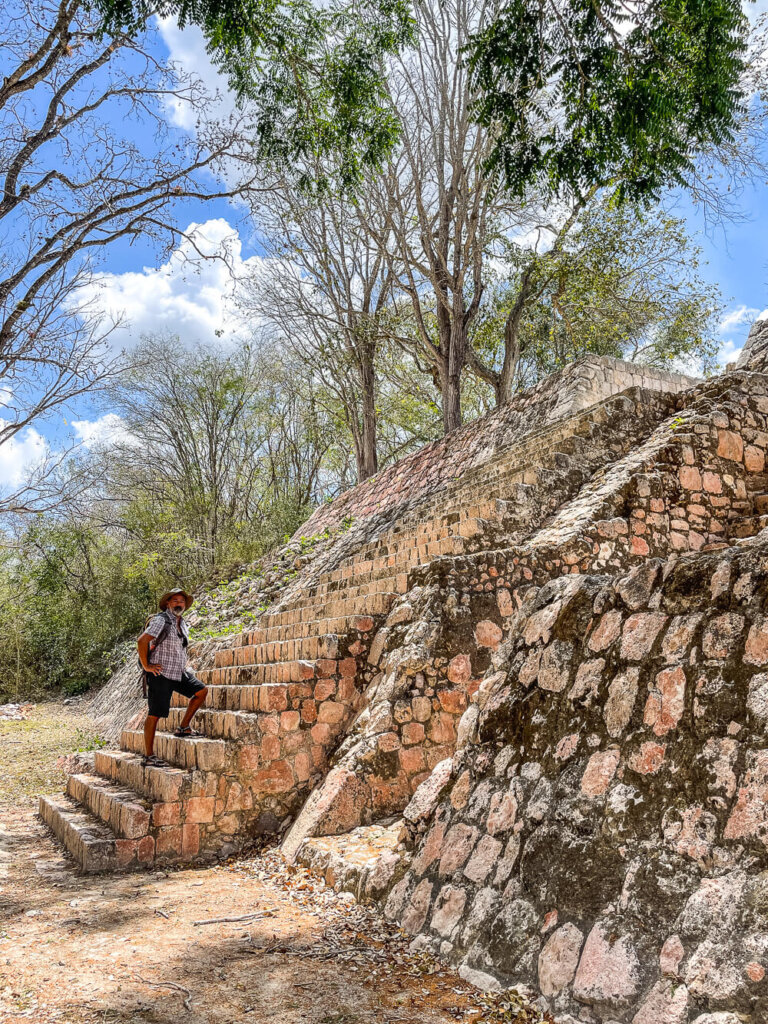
(454, 345)
(370, 460)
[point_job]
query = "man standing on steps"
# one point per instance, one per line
(165, 664)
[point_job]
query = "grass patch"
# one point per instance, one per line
(30, 749)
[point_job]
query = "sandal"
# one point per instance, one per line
(153, 761)
(186, 732)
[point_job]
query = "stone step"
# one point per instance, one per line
(225, 725)
(340, 626)
(90, 841)
(229, 697)
(160, 785)
(126, 813)
(192, 752)
(321, 593)
(308, 648)
(375, 604)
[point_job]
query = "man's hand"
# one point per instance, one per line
(153, 670)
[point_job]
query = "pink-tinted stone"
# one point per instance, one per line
(504, 602)
(277, 778)
(324, 689)
(639, 547)
(640, 632)
(348, 667)
(721, 635)
(289, 721)
(712, 483)
(453, 701)
(748, 817)
(606, 631)
(190, 840)
(648, 759)
(430, 849)
(199, 809)
(756, 651)
(441, 728)
(460, 669)
(168, 841)
(559, 959)
(666, 1003)
(666, 702)
(730, 445)
(608, 972)
(270, 748)
(321, 733)
(363, 623)
(331, 712)
(502, 813)
(671, 954)
(690, 478)
(457, 847)
(622, 694)
(302, 766)
(600, 770)
(460, 791)
(415, 913)
(125, 851)
(754, 971)
(488, 634)
(412, 759)
(166, 814)
(146, 850)
(412, 732)
(567, 746)
(754, 459)
(483, 859)
(449, 906)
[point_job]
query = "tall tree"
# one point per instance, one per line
(327, 289)
(74, 183)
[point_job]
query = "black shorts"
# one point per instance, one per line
(160, 689)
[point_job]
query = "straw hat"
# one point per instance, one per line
(172, 593)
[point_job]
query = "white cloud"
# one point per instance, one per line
(741, 315)
(729, 352)
(105, 430)
(191, 295)
(19, 455)
(186, 48)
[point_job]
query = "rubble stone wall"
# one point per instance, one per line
(602, 834)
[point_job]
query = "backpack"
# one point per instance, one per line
(152, 645)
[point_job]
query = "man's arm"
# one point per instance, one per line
(144, 641)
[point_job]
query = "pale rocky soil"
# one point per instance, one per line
(125, 949)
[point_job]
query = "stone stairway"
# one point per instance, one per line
(283, 695)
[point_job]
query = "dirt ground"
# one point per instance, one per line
(141, 948)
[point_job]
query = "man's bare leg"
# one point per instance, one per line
(194, 705)
(150, 727)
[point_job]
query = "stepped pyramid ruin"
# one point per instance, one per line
(521, 701)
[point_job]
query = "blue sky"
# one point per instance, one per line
(155, 294)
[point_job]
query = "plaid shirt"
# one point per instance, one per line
(170, 652)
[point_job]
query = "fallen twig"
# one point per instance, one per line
(161, 913)
(169, 984)
(231, 920)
